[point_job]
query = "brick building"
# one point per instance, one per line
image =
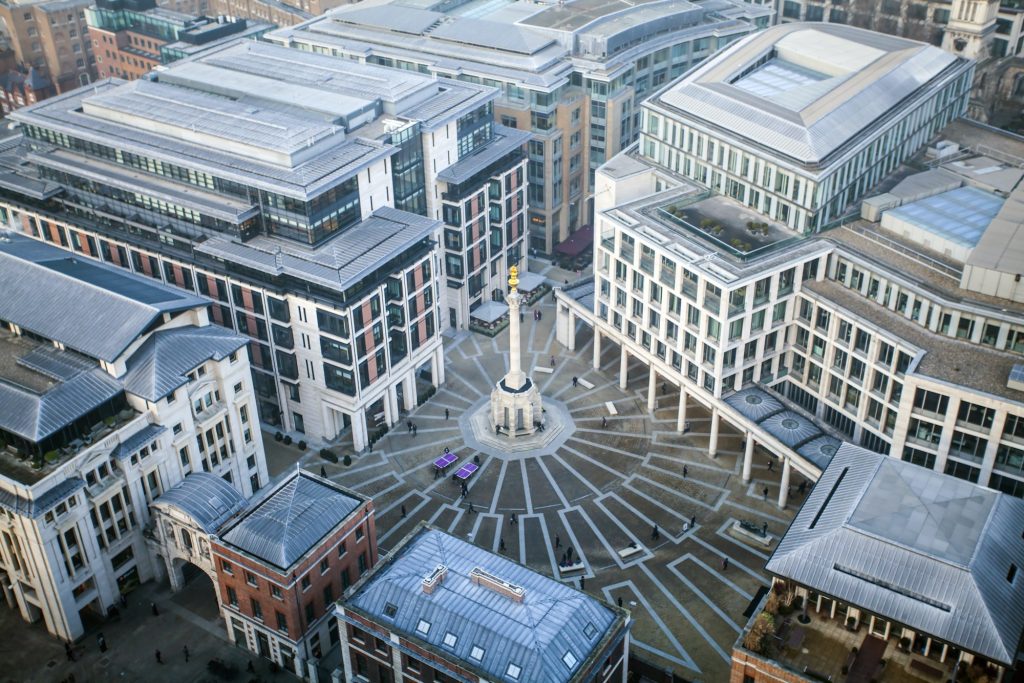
(891, 572)
(439, 608)
(282, 563)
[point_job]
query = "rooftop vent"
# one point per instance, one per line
(481, 577)
(434, 578)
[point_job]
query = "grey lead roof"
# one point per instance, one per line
(291, 519)
(821, 86)
(505, 141)
(88, 306)
(534, 634)
(136, 441)
(35, 416)
(38, 506)
(162, 363)
(341, 260)
(204, 497)
(921, 548)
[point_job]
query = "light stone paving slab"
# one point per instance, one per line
(595, 489)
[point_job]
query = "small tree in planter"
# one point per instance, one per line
(328, 455)
(905, 644)
(287, 440)
(278, 436)
(347, 460)
(302, 445)
(851, 624)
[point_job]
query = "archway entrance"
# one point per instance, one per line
(198, 594)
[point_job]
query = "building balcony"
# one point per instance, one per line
(838, 642)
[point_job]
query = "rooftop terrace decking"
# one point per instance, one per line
(824, 649)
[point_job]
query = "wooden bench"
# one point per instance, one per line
(816, 675)
(541, 368)
(630, 551)
(612, 410)
(585, 384)
(927, 670)
(575, 567)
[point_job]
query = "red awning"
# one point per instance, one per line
(577, 243)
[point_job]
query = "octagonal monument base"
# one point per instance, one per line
(478, 432)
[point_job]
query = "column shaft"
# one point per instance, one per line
(784, 484)
(597, 348)
(652, 390)
(713, 440)
(571, 331)
(748, 457)
(681, 416)
(623, 368)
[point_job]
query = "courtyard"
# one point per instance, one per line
(599, 490)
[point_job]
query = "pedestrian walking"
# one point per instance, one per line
(771, 465)
(764, 492)
(184, 650)
(159, 657)
(558, 541)
(663, 388)
(583, 582)
(447, 450)
(552, 361)
(654, 533)
(521, 317)
(323, 471)
(124, 600)
(802, 488)
(564, 562)
(513, 520)
(101, 642)
(68, 652)
(686, 471)
(403, 505)
(446, 413)
(620, 601)
(414, 430)
(575, 380)
(693, 521)
(501, 544)
(725, 563)
(604, 422)
(471, 508)
(540, 315)
(568, 553)
(408, 423)
(155, 610)
(764, 529)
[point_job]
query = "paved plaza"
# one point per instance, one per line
(595, 489)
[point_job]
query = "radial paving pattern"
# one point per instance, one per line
(599, 491)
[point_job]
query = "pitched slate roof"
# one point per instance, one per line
(291, 519)
(204, 497)
(136, 441)
(35, 416)
(162, 363)
(38, 506)
(90, 307)
(915, 546)
(535, 635)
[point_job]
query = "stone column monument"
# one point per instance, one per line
(516, 408)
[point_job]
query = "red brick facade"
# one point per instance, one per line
(284, 615)
(749, 668)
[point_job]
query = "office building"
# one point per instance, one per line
(276, 12)
(900, 330)
(890, 572)
(440, 608)
(19, 88)
(131, 38)
(572, 74)
(977, 29)
(51, 36)
(301, 193)
(113, 388)
(283, 561)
